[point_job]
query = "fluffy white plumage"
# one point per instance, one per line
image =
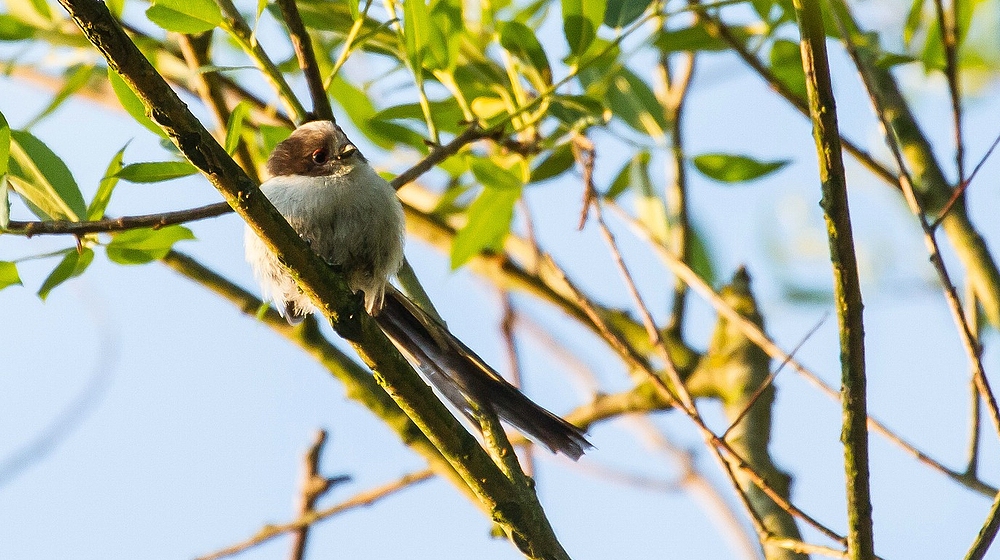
(350, 216)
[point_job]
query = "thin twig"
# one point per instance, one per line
(770, 379)
(307, 59)
(314, 486)
(584, 153)
(677, 85)
(761, 339)
(240, 31)
(507, 323)
(972, 349)
(964, 185)
(948, 24)
(362, 499)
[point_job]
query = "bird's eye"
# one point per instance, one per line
(320, 156)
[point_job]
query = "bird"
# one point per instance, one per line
(351, 217)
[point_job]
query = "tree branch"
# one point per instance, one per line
(846, 285)
(519, 513)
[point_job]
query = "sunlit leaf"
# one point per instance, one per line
(130, 102)
(4, 202)
(156, 171)
(34, 12)
(635, 103)
(730, 168)
(273, 135)
(185, 16)
(786, 64)
(75, 78)
(8, 275)
(489, 219)
(4, 144)
(43, 180)
(578, 111)
(140, 246)
(13, 29)
(71, 266)
(620, 13)
(362, 112)
(695, 38)
(581, 18)
(95, 211)
(234, 128)
(416, 28)
(115, 7)
(913, 18)
(520, 41)
(493, 176)
(699, 257)
(554, 164)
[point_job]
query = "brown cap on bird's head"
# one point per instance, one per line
(314, 149)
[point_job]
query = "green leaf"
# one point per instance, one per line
(729, 168)
(4, 144)
(8, 275)
(621, 182)
(33, 12)
(71, 266)
(13, 29)
(185, 16)
(887, 60)
(234, 128)
(578, 111)
(623, 12)
(493, 176)
(554, 164)
(636, 104)
(76, 77)
(273, 135)
(581, 18)
(130, 102)
(140, 246)
(361, 111)
(100, 201)
(354, 6)
(43, 180)
(156, 171)
(692, 39)
(116, 7)
(521, 41)
(490, 216)
(700, 259)
(786, 64)
(913, 18)
(416, 28)
(4, 202)
(651, 210)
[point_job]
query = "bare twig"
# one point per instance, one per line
(314, 485)
(362, 499)
(769, 380)
(585, 156)
(307, 59)
(966, 335)
(760, 338)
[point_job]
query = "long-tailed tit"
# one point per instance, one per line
(352, 218)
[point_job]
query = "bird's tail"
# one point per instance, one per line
(463, 377)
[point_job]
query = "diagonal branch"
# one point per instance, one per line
(515, 509)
